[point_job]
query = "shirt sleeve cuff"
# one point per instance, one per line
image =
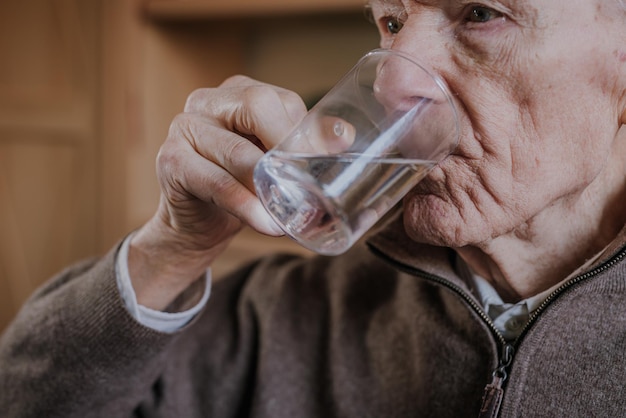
(161, 321)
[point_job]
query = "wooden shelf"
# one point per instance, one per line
(212, 9)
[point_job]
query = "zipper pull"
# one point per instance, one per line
(494, 392)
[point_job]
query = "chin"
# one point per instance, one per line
(424, 218)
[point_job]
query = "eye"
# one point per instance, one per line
(481, 14)
(393, 25)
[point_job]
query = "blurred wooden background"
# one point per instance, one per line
(88, 89)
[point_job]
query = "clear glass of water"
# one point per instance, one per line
(358, 151)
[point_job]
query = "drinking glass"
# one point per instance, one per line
(358, 151)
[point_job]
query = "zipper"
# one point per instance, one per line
(494, 391)
(570, 283)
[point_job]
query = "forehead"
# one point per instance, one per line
(384, 3)
(528, 13)
(524, 12)
(444, 4)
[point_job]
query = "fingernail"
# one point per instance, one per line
(276, 230)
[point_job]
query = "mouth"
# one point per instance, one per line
(436, 182)
(430, 185)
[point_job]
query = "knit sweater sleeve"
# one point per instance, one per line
(74, 350)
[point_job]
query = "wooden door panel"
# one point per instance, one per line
(48, 142)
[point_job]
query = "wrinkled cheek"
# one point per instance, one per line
(571, 165)
(430, 219)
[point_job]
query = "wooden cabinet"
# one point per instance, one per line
(210, 9)
(49, 139)
(87, 92)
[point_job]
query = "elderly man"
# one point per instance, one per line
(499, 290)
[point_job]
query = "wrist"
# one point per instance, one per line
(162, 266)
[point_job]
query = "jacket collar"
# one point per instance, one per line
(617, 245)
(391, 242)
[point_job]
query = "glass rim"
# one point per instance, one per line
(441, 84)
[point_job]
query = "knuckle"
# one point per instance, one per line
(236, 80)
(181, 127)
(235, 150)
(292, 98)
(225, 186)
(179, 121)
(259, 95)
(168, 158)
(294, 104)
(196, 99)
(180, 130)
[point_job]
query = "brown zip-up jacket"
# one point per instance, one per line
(386, 330)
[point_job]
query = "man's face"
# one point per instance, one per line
(539, 86)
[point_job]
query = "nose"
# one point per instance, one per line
(401, 84)
(423, 40)
(429, 122)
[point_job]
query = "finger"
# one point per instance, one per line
(184, 172)
(251, 108)
(331, 135)
(262, 112)
(294, 105)
(233, 153)
(234, 197)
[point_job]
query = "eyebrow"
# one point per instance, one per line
(391, 7)
(384, 3)
(370, 2)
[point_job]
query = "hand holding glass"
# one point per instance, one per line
(357, 152)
